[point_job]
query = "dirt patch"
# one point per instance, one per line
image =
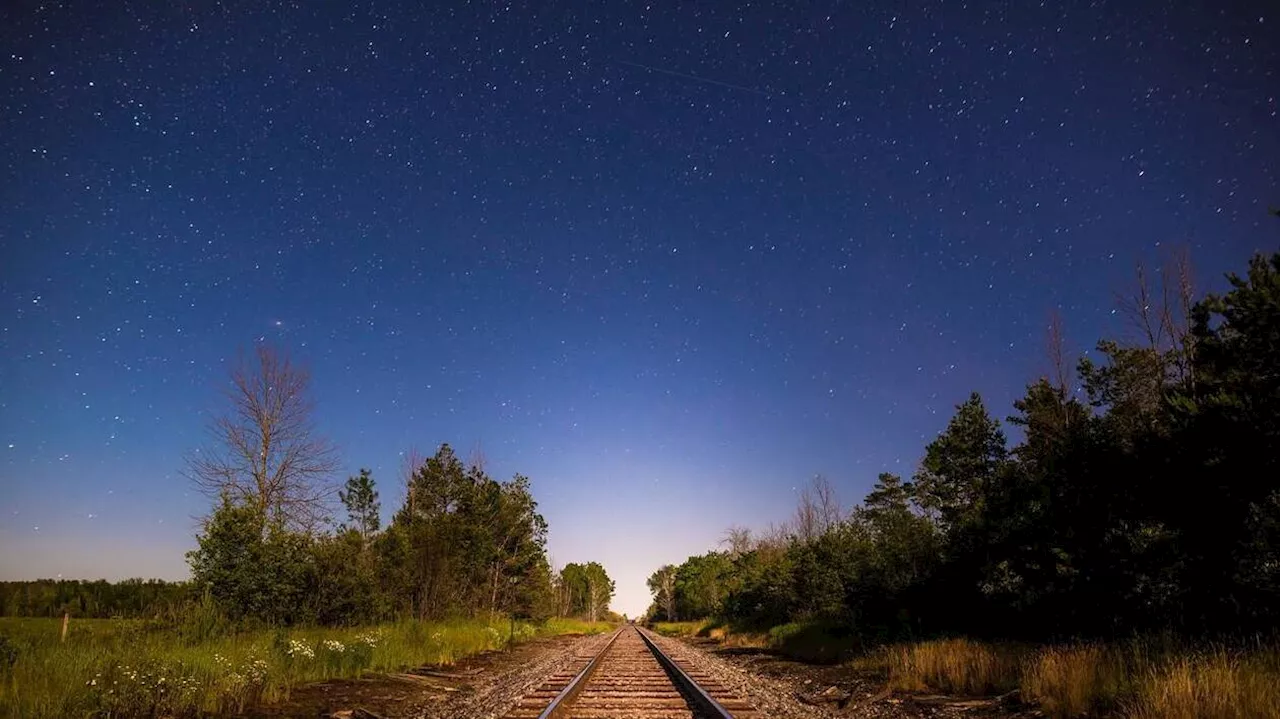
(825, 690)
(472, 687)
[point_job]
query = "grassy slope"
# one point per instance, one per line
(1145, 678)
(130, 668)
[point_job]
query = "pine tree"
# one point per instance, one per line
(961, 466)
(361, 500)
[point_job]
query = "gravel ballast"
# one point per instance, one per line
(493, 693)
(773, 697)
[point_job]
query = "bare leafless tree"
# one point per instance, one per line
(1055, 348)
(1142, 312)
(477, 460)
(410, 462)
(737, 539)
(1160, 313)
(775, 536)
(1177, 314)
(1059, 376)
(264, 449)
(829, 511)
(805, 521)
(817, 509)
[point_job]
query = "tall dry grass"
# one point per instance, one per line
(1140, 679)
(1077, 680)
(1216, 684)
(1154, 677)
(957, 666)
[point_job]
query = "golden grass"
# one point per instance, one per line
(1141, 679)
(1077, 680)
(1216, 684)
(1148, 678)
(956, 666)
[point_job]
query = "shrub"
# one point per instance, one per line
(8, 654)
(959, 666)
(815, 641)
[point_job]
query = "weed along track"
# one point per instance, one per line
(631, 677)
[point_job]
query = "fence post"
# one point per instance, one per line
(66, 618)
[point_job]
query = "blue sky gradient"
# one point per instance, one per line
(667, 261)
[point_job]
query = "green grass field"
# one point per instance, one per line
(129, 668)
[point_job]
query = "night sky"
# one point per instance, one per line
(669, 261)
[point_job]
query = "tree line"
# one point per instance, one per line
(277, 549)
(97, 599)
(462, 543)
(1142, 495)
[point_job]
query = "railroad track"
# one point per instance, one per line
(631, 677)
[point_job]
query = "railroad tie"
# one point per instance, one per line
(631, 677)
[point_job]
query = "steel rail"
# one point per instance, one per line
(706, 705)
(564, 699)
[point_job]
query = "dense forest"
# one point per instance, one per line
(1142, 495)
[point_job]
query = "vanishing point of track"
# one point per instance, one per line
(631, 677)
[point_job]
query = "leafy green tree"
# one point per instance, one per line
(1154, 505)
(765, 590)
(133, 598)
(906, 545)
(360, 498)
(701, 583)
(600, 589)
(818, 570)
(961, 466)
(253, 567)
(533, 593)
(465, 543)
(1048, 418)
(518, 536)
(1130, 385)
(1228, 433)
(588, 590)
(571, 587)
(662, 583)
(347, 590)
(431, 536)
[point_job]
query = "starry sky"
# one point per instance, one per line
(668, 260)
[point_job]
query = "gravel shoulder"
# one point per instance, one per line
(485, 686)
(786, 689)
(480, 687)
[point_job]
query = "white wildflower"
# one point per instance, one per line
(256, 671)
(299, 649)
